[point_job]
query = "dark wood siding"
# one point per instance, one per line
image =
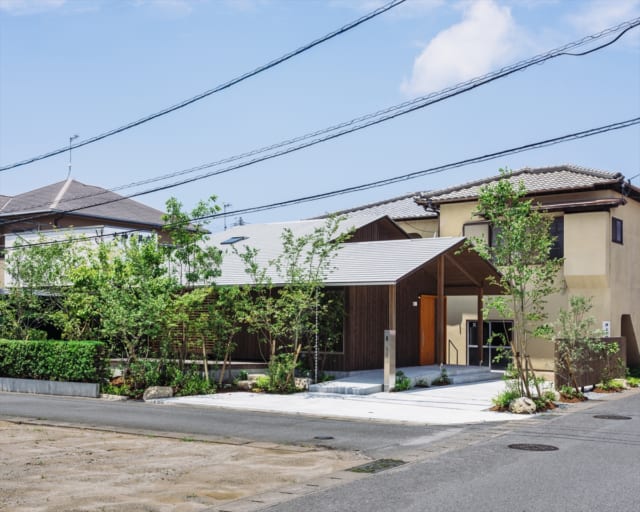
(407, 320)
(383, 229)
(367, 318)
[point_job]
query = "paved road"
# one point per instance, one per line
(374, 439)
(448, 468)
(595, 469)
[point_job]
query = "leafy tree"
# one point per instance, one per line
(134, 292)
(521, 252)
(39, 271)
(188, 255)
(286, 317)
(576, 338)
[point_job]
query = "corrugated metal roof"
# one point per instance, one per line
(538, 180)
(73, 195)
(359, 263)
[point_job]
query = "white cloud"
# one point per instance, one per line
(601, 14)
(23, 7)
(486, 38)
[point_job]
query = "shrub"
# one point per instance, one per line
(402, 382)
(570, 393)
(74, 361)
(504, 399)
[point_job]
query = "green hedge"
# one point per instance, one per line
(73, 361)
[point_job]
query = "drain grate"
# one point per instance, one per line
(377, 466)
(323, 438)
(611, 417)
(534, 447)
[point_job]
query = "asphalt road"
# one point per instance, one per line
(374, 439)
(596, 468)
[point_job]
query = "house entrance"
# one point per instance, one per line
(427, 304)
(496, 351)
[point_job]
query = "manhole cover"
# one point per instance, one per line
(323, 438)
(377, 465)
(534, 447)
(611, 417)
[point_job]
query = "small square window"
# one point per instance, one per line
(616, 230)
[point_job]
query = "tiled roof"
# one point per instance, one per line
(3, 200)
(79, 199)
(398, 208)
(536, 181)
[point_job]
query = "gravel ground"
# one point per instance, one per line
(55, 469)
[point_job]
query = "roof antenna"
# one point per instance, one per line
(71, 139)
(224, 210)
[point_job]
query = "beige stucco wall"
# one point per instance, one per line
(594, 266)
(425, 228)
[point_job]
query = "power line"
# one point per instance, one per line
(396, 179)
(221, 87)
(355, 124)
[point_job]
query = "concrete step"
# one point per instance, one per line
(369, 382)
(345, 388)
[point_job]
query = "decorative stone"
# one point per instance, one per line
(245, 385)
(522, 405)
(155, 392)
(303, 383)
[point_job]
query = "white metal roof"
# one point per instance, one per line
(358, 263)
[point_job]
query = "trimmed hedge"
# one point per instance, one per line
(72, 361)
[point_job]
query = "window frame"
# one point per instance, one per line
(617, 231)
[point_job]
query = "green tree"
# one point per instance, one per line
(134, 292)
(189, 257)
(576, 338)
(521, 252)
(39, 271)
(286, 317)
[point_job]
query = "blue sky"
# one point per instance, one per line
(86, 66)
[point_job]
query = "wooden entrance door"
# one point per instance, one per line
(427, 308)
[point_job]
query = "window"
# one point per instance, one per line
(234, 240)
(557, 231)
(476, 230)
(496, 335)
(616, 230)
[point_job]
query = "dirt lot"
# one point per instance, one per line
(57, 469)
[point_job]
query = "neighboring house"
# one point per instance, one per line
(404, 211)
(597, 225)
(387, 281)
(67, 204)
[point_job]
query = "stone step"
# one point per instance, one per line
(345, 388)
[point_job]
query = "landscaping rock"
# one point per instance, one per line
(155, 392)
(245, 385)
(522, 405)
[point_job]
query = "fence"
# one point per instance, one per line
(594, 365)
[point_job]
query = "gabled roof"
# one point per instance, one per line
(267, 237)
(356, 263)
(359, 263)
(562, 178)
(397, 208)
(78, 199)
(3, 200)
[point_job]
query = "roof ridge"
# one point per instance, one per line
(521, 171)
(61, 193)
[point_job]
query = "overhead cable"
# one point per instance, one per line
(205, 94)
(396, 179)
(359, 123)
